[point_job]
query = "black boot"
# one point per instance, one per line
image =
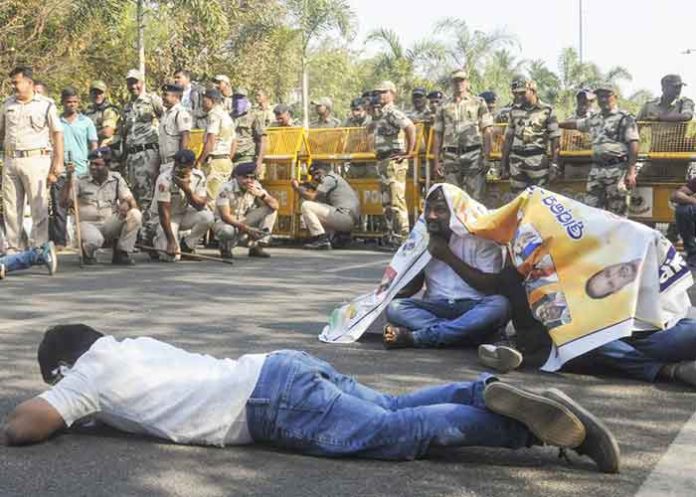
(122, 258)
(320, 243)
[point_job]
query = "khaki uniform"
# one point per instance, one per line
(26, 129)
(184, 217)
(653, 110)
(352, 122)
(227, 104)
(336, 207)
(174, 122)
(100, 221)
(533, 128)
(389, 141)
(103, 116)
(611, 135)
(139, 131)
(218, 168)
(267, 116)
(245, 208)
(330, 122)
(249, 128)
(460, 124)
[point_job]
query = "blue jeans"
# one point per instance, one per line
(439, 323)
(685, 217)
(643, 355)
(303, 404)
(22, 260)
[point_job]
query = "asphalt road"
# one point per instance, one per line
(283, 302)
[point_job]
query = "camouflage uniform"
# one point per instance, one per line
(330, 122)
(460, 125)
(653, 110)
(140, 134)
(218, 167)
(250, 128)
(533, 128)
(421, 116)
(352, 122)
(103, 116)
(388, 142)
(611, 135)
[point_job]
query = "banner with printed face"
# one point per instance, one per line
(591, 277)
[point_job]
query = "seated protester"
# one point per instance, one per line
(685, 216)
(461, 305)
(45, 255)
(107, 209)
(181, 206)
(286, 399)
(667, 355)
(332, 206)
(244, 208)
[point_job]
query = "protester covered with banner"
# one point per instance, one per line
(582, 281)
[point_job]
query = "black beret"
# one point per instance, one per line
(245, 168)
(100, 153)
(185, 157)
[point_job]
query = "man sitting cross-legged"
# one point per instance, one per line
(460, 306)
(286, 399)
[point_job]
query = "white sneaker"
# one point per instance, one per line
(502, 359)
(48, 252)
(2, 271)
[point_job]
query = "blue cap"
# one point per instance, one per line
(435, 94)
(100, 153)
(489, 96)
(185, 157)
(419, 91)
(245, 168)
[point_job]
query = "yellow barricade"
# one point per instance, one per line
(196, 141)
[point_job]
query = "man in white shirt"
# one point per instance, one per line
(460, 306)
(287, 399)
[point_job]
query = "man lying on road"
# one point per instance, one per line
(287, 399)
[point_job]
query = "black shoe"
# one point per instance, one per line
(599, 444)
(341, 240)
(257, 251)
(226, 254)
(550, 421)
(88, 261)
(122, 258)
(185, 249)
(320, 243)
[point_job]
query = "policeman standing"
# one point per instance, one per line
(614, 152)
(420, 112)
(250, 129)
(174, 127)
(103, 114)
(140, 137)
(323, 107)
(107, 210)
(463, 138)
(532, 129)
(392, 162)
(222, 83)
(358, 118)
(29, 125)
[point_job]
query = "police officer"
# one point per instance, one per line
(244, 208)
(103, 114)
(250, 129)
(463, 138)
(491, 99)
(358, 118)
(140, 137)
(107, 210)
(222, 83)
(33, 160)
(435, 99)
(392, 161)
(181, 199)
(283, 117)
(330, 206)
(216, 159)
(323, 107)
(174, 127)
(420, 112)
(263, 107)
(614, 152)
(532, 129)
(584, 104)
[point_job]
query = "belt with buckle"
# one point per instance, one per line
(219, 156)
(614, 161)
(21, 154)
(134, 149)
(528, 152)
(461, 151)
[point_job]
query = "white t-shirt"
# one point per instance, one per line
(444, 284)
(146, 386)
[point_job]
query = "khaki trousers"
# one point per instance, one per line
(262, 217)
(320, 218)
(217, 172)
(22, 179)
(198, 222)
(115, 228)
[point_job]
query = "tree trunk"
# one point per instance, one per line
(141, 38)
(305, 93)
